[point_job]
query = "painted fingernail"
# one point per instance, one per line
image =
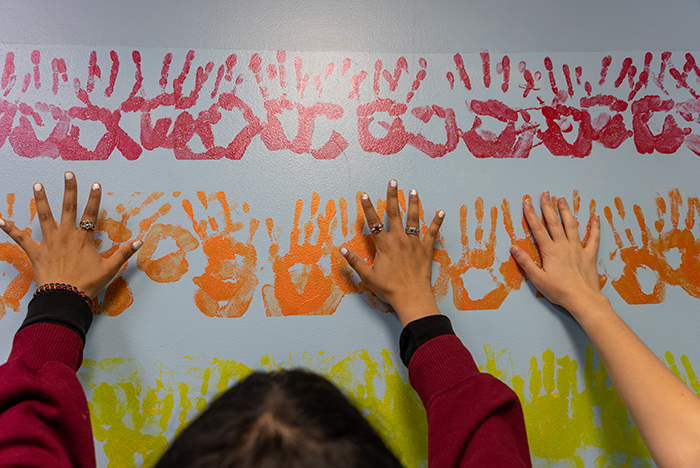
(136, 244)
(393, 183)
(37, 187)
(343, 251)
(2, 223)
(69, 176)
(441, 214)
(413, 192)
(365, 196)
(95, 186)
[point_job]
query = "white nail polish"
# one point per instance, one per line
(441, 214)
(393, 183)
(37, 187)
(413, 192)
(95, 186)
(69, 176)
(2, 223)
(343, 251)
(136, 244)
(365, 196)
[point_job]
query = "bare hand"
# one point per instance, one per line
(402, 268)
(66, 253)
(568, 276)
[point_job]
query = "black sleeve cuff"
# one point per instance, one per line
(60, 307)
(419, 332)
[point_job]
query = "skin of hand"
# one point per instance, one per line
(402, 268)
(665, 411)
(66, 253)
(569, 275)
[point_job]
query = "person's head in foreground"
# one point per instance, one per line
(285, 419)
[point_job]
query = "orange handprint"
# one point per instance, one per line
(634, 258)
(118, 296)
(511, 272)
(312, 290)
(687, 274)
(481, 257)
(12, 254)
(226, 278)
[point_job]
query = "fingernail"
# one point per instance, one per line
(136, 244)
(343, 251)
(37, 187)
(95, 186)
(2, 223)
(527, 202)
(365, 196)
(514, 250)
(69, 176)
(393, 183)
(546, 193)
(597, 218)
(441, 214)
(413, 192)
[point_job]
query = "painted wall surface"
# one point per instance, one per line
(241, 169)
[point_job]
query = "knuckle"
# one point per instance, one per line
(43, 217)
(91, 211)
(69, 207)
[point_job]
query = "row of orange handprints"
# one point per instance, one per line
(310, 277)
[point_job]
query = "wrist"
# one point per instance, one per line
(414, 307)
(588, 305)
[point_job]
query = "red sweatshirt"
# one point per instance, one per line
(473, 419)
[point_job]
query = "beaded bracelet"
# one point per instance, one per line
(50, 287)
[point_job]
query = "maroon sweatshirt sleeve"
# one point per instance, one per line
(44, 417)
(474, 420)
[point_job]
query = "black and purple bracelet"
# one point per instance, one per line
(50, 287)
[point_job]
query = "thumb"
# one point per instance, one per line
(526, 263)
(356, 262)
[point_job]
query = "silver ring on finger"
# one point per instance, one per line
(412, 230)
(376, 228)
(88, 225)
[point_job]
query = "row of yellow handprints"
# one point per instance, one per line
(311, 277)
(133, 417)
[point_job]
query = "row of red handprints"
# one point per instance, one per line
(311, 277)
(565, 121)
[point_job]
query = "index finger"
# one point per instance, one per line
(70, 200)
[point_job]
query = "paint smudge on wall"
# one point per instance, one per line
(312, 278)
(653, 101)
(567, 420)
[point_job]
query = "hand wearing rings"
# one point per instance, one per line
(88, 225)
(400, 272)
(412, 230)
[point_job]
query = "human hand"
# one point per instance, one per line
(401, 272)
(66, 253)
(568, 275)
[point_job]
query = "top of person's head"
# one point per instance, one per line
(281, 419)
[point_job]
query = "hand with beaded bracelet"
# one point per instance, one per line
(66, 257)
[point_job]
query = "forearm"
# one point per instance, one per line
(664, 409)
